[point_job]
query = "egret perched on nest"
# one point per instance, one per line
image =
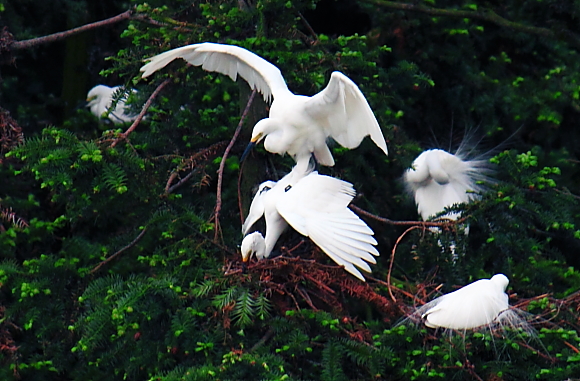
(439, 180)
(298, 125)
(482, 303)
(315, 206)
(100, 99)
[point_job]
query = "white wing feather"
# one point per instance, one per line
(349, 118)
(229, 60)
(317, 207)
(257, 207)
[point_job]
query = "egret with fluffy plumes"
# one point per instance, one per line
(439, 180)
(297, 125)
(316, 206)
(478, 304)
(100, 99)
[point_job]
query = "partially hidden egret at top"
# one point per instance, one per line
(478, 304)
(315, 206)
(297, 125)
(100, 99)
(439, 180)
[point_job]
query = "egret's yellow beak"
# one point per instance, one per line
(257, 138)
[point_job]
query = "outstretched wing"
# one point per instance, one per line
(226, 59)
(348, 116)
(317, 207)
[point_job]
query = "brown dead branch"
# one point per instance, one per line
(192, 163)
(445, 223)
(393, 260)
(15, 45)
(10, 133)
(218, 205)
(146, 106)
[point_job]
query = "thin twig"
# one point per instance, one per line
(62, 35)
(193, 161)
(306, 298)
(146, 106)
(481, 14)
(393, 260)
(240, 206)
(443, 224)
(407, 294)
(169, 189)
(97, 267)
(218, 205)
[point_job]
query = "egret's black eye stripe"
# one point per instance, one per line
(266, 188)
(287, 188)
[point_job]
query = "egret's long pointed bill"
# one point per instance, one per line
(247, 151)
(88, 102)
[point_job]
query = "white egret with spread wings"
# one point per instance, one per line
(297, 125)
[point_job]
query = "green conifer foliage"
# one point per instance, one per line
(113, 265)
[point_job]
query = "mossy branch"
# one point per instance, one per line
(483, 15)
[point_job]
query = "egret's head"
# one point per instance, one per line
(261, 129)
(253, 244)
(501, 281)
(97, 92)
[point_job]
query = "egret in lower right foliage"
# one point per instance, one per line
(481, 304)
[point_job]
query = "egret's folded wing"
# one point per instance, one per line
(347, 112)
(226, 59)
(314, 194)
(317, 207)
(257, 206)
(472, 306)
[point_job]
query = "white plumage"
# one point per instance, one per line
(100, 99)
(439, 180)
(316, 206)
(297, 124)
(477, 304)
(253, 243)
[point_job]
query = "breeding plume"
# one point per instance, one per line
(439, 180)
(100, 99)
(315, 206)
(477, 304)
(297, 125)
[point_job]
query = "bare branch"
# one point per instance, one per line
(444, 224)
(482, 14)
(218, 205)
(97, 267)
(62, 35)
(146, 106)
